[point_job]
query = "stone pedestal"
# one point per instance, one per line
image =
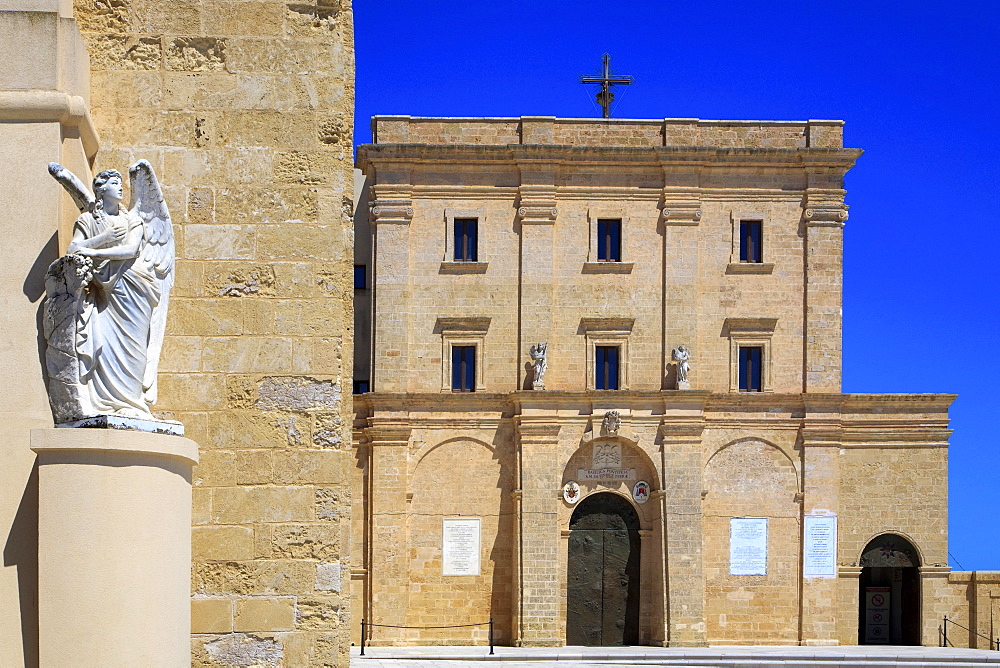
(114, 547)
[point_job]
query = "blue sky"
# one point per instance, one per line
(916, 84)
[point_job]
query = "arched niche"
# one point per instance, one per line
(751, 477)
(459, 478)
(747, 465)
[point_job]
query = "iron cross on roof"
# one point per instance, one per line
(606, 80)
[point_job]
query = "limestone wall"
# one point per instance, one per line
(245, 111)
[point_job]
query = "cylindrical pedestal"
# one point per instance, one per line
(114, 547)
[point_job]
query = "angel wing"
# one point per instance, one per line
(158, 254)
(82, 197)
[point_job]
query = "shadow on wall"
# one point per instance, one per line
(34, 289)
(21, 552)
(502, 551)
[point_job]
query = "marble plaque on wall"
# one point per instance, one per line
(460, 539)
(820, 549)
(748, 546)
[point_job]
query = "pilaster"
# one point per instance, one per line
(388, 440)
(848, 586)
(536, 217)
(681, 508)
(391, 213)
(540, 616)
(821, 442)
(680, 217)
(825, 213)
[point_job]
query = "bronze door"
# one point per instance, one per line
(603, 574)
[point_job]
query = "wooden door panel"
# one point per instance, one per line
(615, 586)
(584, 584)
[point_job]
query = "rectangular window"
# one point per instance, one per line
(360, 277)
(360, 386)
(750, 241)
(606, 370)
(466, 233)
(463, 368)
(751, 358)
(609, 240)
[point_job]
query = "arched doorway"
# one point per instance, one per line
(602, 592)
(889, 598)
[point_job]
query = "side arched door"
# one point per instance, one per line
(602, 606)
(890, 592)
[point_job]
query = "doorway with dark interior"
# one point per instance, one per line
(889, 596)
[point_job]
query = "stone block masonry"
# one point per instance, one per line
(245, 110)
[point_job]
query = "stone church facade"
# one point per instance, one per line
(616, 242)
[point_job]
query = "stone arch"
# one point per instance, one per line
(633, 458)
(907, 552)
(627, 499)
(427, 449)
(736, 443)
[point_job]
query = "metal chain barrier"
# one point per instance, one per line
(366, 625)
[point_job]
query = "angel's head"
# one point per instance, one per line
(108, 186)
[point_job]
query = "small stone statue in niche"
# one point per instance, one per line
(106, 307)
(539, 365)
(681, 355)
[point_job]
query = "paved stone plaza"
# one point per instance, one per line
(799, 657)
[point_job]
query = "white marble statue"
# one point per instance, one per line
(681, 355)
(106, 306)
(539, 365)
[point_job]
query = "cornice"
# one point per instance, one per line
(860, 414)
(841, 159)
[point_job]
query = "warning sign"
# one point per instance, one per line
(877, 615)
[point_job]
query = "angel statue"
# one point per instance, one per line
(539, 365)
(681, 355)
(106, 306)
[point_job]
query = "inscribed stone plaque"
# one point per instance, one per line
(460, 546)
(748, 546)
(820, 557)
(606, 474)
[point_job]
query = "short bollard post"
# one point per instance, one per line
(491, 635)
(362, 636)
(945, 643)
